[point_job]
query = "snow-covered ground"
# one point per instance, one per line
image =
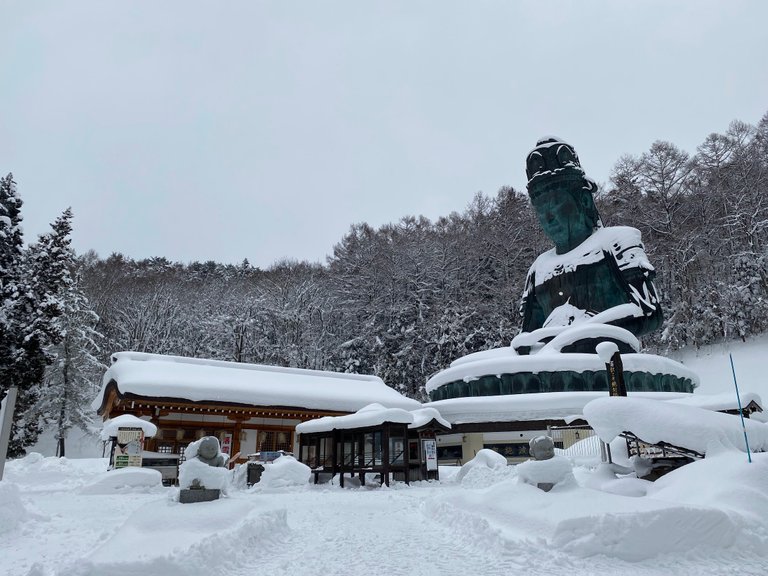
(72, 517)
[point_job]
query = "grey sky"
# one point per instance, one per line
(224, 130)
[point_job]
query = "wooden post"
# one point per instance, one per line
(6, 419)
(385, 435)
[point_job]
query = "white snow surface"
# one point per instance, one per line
(195, 379)
(484, 460)
(284, 472)
(557, 470)
(211, 477)
(124, 480)
(706, 519)
(111, 426)
(678, 424)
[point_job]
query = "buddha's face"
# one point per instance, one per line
(563, 219)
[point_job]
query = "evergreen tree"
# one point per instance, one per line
(68, 388)
(33, 322)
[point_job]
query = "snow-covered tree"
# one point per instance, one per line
(32, 312)
(68, 388)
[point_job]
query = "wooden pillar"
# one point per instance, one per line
(385, 452)
(236, 437)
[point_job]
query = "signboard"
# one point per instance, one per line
(615, 368)
(226, 444)
(430, 454)
(128, 447)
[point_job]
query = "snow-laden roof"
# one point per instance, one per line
(199, 380)
(567, 405)
(506, 361)
(372, 415)
(111, 427)
(425, 416)
(719, 402)
(527, 407)
(684, 426)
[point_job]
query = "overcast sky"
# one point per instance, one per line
(262, 130)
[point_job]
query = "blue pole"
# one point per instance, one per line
(741, 413)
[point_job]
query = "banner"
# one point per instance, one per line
(128, 447)
(430, 454)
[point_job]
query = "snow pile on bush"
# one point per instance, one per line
(12, 510)
(485, 463)
(284, 472)
(210, 477)
(125, 480)
(557, 470)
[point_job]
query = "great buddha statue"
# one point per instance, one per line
(595, 285)
(592, 274)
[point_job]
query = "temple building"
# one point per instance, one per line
(248, 407)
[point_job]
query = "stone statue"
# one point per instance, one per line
(545, 470)
(595, 274)
(209, 452)
(542, 448)
(203, 475)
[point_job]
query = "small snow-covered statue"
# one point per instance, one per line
(542, 448)
(593, 274)
(209, 452)
(203, 476)
(546, 470)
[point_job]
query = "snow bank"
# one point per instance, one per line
(127, 421)
(557, 470)
(635, 537)
(12, 511)
(726, 480)
(284, 472)
(207, 538)
(211, 477)
(125, 480)
(685, 426)
(483, 461)
(713, 504)
(39, 473)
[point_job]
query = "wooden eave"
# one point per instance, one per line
(513, 426)
(114, 399)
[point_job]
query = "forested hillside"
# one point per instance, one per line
(403, 300)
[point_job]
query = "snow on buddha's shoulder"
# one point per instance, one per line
(623, 242)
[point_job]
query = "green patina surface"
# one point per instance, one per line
(561, 195)
(589, 278)
(563, 381)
